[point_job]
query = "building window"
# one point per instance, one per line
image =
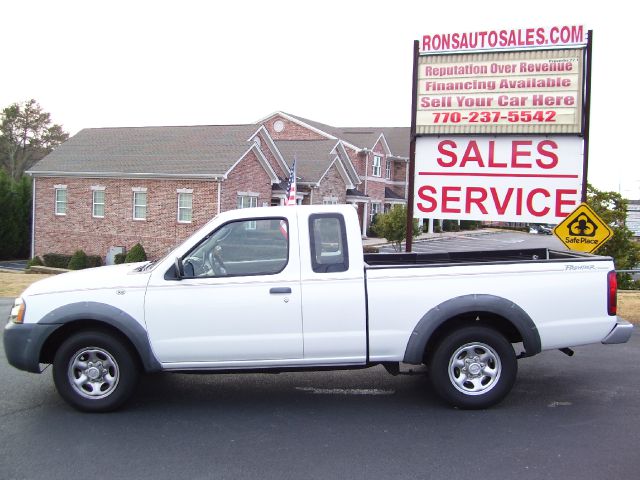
(98, 203)
(330, 201)
(388, 170)
(375, 209)
(248, 201)
(185, 207)
(61, 199)
(140, 205)
(377, 166)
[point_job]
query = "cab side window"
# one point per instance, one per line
(241, 248)
(329, 252)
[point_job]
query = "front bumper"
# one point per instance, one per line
(620, 333)
(23, 344)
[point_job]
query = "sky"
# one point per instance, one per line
(344, 63)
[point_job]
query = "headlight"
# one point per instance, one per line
(17, 312)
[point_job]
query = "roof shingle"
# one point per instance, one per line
(208, 150)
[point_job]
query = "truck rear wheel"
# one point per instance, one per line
(473, 368)
(94, 371)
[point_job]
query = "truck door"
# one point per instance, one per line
(239, 301)
(334, 308)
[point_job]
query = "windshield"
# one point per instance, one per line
(151, 264)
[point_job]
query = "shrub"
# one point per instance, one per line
(372, 232)
(94, 261)
(136, 254)
(450, 226)
(119, 258)
(56, 260)
(35, 261)
(469, 225)
(370, 249)
(78, 261)
(393, 226)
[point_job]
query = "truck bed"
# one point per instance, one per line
(474, 257)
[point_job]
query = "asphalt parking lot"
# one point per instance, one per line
(17, 265)
(569, 418)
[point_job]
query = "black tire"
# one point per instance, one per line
(94, 371)
(473, 367)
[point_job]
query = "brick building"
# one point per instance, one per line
(106, 189)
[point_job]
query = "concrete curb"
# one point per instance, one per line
(43, 269)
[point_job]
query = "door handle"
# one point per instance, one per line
(276, 290)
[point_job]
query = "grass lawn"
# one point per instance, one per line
(629, 305)
(12, 284)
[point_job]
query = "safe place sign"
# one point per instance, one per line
(583, 230)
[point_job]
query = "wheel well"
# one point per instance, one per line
(52, 343)
(486, 319)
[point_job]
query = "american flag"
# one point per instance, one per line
(290, 198)
(291, 187)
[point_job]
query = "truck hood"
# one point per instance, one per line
(113, 276)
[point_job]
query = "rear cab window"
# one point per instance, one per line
(329, 251)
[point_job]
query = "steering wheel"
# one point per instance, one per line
(215, 261)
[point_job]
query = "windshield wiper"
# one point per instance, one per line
(145, 267)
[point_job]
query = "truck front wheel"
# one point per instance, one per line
(473, 367)
(94, 371)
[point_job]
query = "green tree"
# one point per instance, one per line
(393, 226)
(15, 217)
(612, 209)
(26, 136)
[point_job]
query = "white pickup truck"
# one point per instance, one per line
(288, 288)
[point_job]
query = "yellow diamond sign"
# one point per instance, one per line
(583, 230)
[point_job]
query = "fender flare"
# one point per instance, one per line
(113, 317)
(440, 314)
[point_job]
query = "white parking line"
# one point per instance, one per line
(345, 391)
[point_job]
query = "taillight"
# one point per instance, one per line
(612, 293)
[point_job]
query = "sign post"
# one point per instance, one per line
(412, 149)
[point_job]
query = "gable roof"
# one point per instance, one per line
(313, 157)
(206, 151)
(397, 138)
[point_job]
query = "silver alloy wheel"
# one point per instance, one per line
(93, 373)
(474, 368)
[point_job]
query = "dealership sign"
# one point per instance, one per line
(510, 178)
(500, 124)
(515, 92)
(522, 38)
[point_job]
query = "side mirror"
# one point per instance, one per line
(179, 267)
